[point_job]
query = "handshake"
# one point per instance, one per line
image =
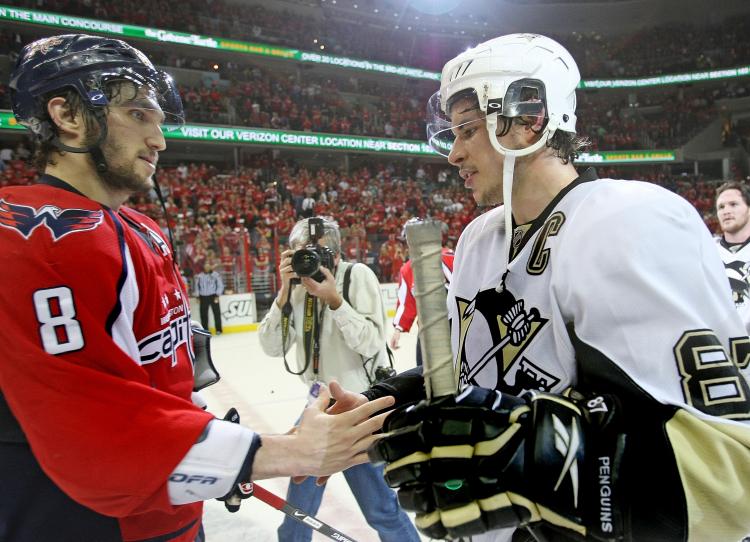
(484, 460)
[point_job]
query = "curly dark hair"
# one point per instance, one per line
(44, 149)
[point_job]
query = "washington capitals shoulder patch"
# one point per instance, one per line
(60, 222)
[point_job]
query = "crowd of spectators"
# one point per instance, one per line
(238, 220)
(220, 216)
(664, 119)
(261, 98)
(240, 93)
(661, 48)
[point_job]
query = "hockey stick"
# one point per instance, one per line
(295, 513)
(425, 250)
(440, 377)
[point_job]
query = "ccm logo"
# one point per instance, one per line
(246, 488)
(192, 478)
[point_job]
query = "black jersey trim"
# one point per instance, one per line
(653, 486)
(169, 536)
(10, 429)
(729, 246)
(585, 177)
(56, 182)
(117, 309)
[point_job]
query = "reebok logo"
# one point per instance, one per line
(567, 442)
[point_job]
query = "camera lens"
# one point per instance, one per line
(305, 262)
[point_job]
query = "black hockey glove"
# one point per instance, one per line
(483, 460)
(204, 371)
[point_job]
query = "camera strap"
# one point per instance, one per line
(313, 320)
(286, 317)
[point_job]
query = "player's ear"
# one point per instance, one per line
(69, 123)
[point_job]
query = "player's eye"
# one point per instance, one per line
(466, 131)
(138, 114)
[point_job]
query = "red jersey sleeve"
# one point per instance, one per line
(406, 304)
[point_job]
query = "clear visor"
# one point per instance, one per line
(441, 130)
(524, 98)
(153, 93)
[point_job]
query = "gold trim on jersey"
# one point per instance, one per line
(712, 458)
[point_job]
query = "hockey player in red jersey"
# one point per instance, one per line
(603, 389)
(99, 439)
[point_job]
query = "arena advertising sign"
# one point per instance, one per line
(625, 157)
(69, 22)
(238, 312)
(261, 136)
(311, 140)
(673, 79)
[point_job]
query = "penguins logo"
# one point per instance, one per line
(738, 272)
(495, 329)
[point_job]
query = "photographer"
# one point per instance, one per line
(345, 341)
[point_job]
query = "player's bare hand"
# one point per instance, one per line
(394, 339)
(345, 400)
(332, 443)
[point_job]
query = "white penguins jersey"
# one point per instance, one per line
(736, 260)
(616, 288)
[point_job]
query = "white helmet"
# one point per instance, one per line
(510, 76)
(513, 75)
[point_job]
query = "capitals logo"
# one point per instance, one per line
(60, 222)
(44, 45)
(495, 329)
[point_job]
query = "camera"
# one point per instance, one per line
(383, 373)
(306, 262)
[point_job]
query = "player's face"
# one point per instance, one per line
(134, 140)
(732, 211)
(479, 165)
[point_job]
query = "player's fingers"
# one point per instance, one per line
(344, 400)
(336, 389)
(321, 480)
(369, 426)
(365, 411)
(323, 400)
(360, 458)
(299, 479)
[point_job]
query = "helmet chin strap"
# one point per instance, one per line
(509, 164)
(95, 150)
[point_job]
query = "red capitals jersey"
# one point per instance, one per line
(97, 361)
(406, 304)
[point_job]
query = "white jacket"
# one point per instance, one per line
(349, 335)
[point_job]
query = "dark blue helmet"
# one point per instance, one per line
(84, 64)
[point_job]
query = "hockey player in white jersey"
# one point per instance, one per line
(733, 212)
(603, 391)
